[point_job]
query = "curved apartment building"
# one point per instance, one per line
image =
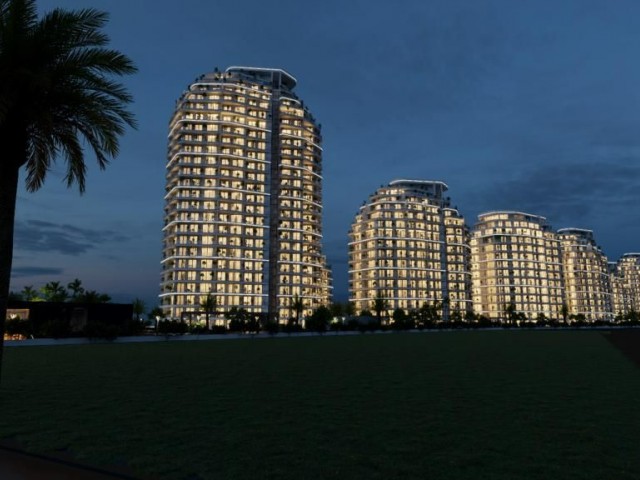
(625, 279)
(243, 202)
(516, 261)
(587, 281)
(408, 245)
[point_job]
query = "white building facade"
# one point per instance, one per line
(409, 246)
(516, 264)
(243, 204)
(587, 281)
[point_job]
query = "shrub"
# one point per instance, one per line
(352, 324)
(402, 321)
(252, 325)
(134, 327)
(292, 327)
(55, 329)
(101, 330)
(172, 326)
(484, 322)
(272, 328)
(236, 325)
(17, 326)
(319, 319)
(197, 329)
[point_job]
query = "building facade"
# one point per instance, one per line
(516, 267)
(625, 279)
(408, 246)
(586, 276)
(243, 204)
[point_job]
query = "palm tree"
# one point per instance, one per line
(379, 306)
(297, 306)
(138, 307)
(156, 314)
(209, 305)
(75, 288)
(54, 292)
(349, 309)
(511, 312)
(56, 91)
(91, 296)
(29, 294)
(564, 311)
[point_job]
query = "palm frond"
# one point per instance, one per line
(57, 79)
(77, 29)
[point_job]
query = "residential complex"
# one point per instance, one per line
(516, 264)
(587, 282)
(408, 246)
(243, 225)
(243, 204)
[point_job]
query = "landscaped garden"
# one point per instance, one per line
(436, 405)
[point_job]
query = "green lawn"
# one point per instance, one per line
(446, 405)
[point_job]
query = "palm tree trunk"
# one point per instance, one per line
(8, 193)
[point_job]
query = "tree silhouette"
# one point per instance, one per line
(297, 306)
(337, 309)
(349, 309)
(379, 306)
(91, 296)
(56, 91)
(75, 288)
(138, 308)
(209, 305)
(319, 319)
(29, 294)
(401, 321)
(54, 292)
(511, 312)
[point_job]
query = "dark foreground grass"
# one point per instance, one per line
(459, 405)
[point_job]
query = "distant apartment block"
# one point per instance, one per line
(625, 281)
(516, 262)
(587, 281)
(409, 246)
(243, 204)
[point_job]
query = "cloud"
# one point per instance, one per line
(43, 236)
(21, 272)
(568, 192)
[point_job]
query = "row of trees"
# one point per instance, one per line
(322, 320)
(434, 312)
(57, 292)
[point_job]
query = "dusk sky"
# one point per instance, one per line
(530, 106)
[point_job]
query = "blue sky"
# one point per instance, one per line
(529, 106)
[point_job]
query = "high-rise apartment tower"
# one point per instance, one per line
(409, 246)
(516, 264)
(625, 279)
(587, 280)
(243, 204)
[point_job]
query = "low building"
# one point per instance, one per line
(60, 319)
